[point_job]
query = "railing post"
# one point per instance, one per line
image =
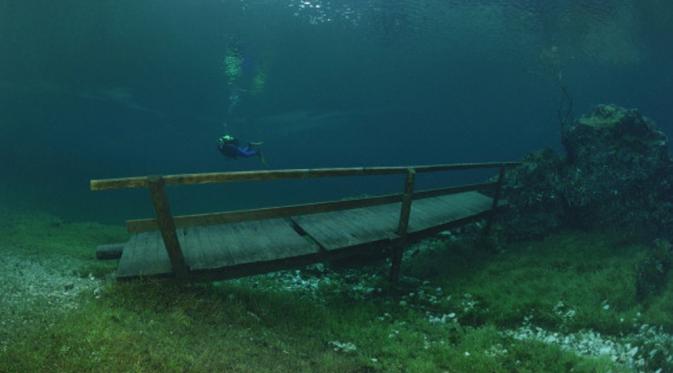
(403, 225)
(167, 226)
(496, 199)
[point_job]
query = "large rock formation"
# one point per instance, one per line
(617, 174)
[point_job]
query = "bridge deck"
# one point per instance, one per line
(244, 248)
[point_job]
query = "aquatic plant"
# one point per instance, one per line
(653, 270)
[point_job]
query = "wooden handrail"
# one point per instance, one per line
(225, 177)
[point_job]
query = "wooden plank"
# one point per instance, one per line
(462, 204)
(326, 230)
(214, 250)
(127, 256)
(426, 213)
(362, 225)
(471, 201)
(466, 202)
(190, 241)
(454, 189)
(340, 229)
(155, 257)
(232, 238)
(441, 210)
(385, 217)
(251, 269)
(131, 262)
(223, 177)
(423, 214)
(452, 207)
(146, 257)
(143, 225)
(217, 248)
(275, 245)
(253, 241)
(280, 240)
(245, 243)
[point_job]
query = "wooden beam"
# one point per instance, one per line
(182, 221)
(403, 225)
(109, 251)
(407, 199)
(167, 226)
(224, 177)
(119, 183)
(496, 199)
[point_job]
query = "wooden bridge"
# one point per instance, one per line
(240, 243)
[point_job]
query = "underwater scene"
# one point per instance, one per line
(336, 186)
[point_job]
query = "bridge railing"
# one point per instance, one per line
(167, 223)
(141, 225)
(305, 173)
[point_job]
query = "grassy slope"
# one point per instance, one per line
(258, 324)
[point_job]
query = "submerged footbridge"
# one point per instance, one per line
(232, 244)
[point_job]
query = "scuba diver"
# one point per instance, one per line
(230, 147)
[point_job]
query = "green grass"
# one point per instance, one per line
(256, 325)
(40, 236)
(43, 234)
(150, 326)
(590, 274)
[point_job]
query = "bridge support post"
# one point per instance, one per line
(496, 199)
(403, 226)
(167, 226)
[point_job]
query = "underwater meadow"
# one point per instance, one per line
(573, 274)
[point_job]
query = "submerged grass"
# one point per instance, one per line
(570, 281)
(458, 310)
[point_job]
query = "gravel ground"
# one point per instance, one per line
(35, 287)
(637, 351)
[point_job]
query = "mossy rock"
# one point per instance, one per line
(604, 116)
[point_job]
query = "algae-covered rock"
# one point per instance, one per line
(616, 133)
(534, 200)
(617, 174)
(604, 116)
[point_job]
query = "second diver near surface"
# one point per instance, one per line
(231, 147)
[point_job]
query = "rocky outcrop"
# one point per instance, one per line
(617, 173)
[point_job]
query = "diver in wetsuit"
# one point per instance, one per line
(231, 147)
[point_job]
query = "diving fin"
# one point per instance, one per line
(262, 159)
